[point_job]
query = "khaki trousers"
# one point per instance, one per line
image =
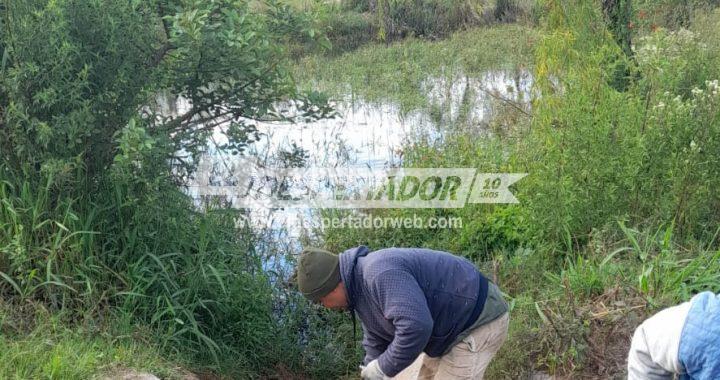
(466, 360)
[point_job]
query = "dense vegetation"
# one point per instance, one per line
(93, 227)
(106, 263)
(619, 213)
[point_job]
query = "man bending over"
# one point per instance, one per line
(411, 301)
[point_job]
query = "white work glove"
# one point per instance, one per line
(372, 371)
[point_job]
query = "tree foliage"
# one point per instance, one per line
(78, 76)
(104, 108)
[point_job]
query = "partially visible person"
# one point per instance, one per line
(682, 340)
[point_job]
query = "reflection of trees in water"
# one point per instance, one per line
(367, 135)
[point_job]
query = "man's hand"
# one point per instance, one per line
(372, 371)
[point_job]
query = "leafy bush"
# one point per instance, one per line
(597, 155)
(93, 224)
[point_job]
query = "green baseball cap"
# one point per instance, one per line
(318, 273)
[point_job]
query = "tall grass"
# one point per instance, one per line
(44, 347)
(598, 155)
(351, 24)
(397, 73)
(189, 279)
(618, 216)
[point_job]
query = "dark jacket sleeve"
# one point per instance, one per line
(373, 346)
(403, 302)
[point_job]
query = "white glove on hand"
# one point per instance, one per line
(372, 371)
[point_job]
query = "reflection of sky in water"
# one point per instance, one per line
(364, 135)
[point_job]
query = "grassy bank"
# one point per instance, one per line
(106, 264)
(38, 344)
